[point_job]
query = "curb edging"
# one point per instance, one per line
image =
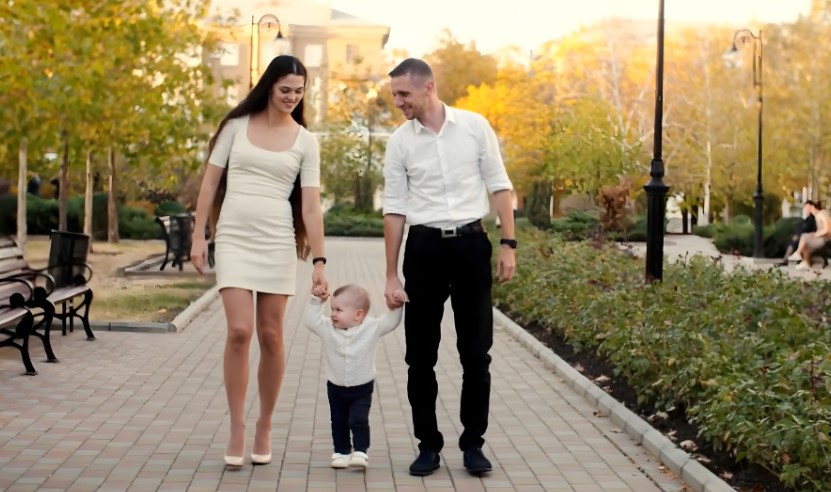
(698, 477)
(194, 309)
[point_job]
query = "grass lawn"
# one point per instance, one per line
(128, 299)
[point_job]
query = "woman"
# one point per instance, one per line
(812, 242)
(263, 172)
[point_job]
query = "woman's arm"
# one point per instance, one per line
(207, 194)
(822, 225)
(313, 220)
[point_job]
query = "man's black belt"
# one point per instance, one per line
(474, 227)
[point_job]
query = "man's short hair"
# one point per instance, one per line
(813, 204)
(412, 66)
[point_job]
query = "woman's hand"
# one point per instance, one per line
(320, 286)
(199, 254)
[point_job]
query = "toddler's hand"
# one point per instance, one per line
(320, 292)
(400, 296)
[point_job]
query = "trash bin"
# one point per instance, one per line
(67, 254)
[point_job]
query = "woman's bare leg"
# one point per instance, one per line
(271, 312)
(239, 313)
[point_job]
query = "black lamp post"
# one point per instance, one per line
(656, 190)
(279, 39)
(732, 56)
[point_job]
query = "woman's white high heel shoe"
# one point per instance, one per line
(234, 461)
(260, 459)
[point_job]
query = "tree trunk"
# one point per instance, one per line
(21, 196)
(112, 208)
(708, 184)
(63, 197)
(88, 191)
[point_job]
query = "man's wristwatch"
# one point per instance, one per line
(508, 242)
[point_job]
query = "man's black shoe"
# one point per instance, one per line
(475, 461)
(426, 463)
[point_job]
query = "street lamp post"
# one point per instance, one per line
(732, 56)
(656, 190)
(279, 44)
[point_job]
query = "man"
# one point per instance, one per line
(438, 170)
(807, 224)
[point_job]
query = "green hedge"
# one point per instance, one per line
(579, 225)
(42, 217)
(343, 220)
(737, 237)
(747, 355)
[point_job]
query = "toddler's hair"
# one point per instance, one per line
(358, 293)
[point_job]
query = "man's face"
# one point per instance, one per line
(411, 94)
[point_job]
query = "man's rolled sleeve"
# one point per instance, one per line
(395, 179)
(490, 160)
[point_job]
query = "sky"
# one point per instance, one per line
(415, 25)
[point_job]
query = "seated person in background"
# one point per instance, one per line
(807, 224)
(811, 242)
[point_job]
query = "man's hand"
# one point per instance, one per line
(392, 293)
(506, 264)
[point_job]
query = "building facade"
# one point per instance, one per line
(333, 45)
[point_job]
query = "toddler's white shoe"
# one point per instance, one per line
(340, 460)
(358, 459)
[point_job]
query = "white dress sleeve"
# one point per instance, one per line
(224, 142)
(310, 165)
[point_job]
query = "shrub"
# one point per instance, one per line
(137, 223)
(42, 217)
(615, 214)
(170, 208)
(345, 220)
(637, 232)
(779, 235)
(735, 239)
(576, 226)
(747, 355)
(708, 231)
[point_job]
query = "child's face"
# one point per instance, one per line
(345, 312)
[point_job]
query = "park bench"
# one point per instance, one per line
(16, 320)
(822, 254)
(176, 232)
(71, 274)
(24, 305)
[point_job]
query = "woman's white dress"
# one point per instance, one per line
(255, 246)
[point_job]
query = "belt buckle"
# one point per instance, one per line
(449, 232)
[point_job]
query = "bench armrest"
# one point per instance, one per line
(43, 284)
(79, 279)
(18, 299)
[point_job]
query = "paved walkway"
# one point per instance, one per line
(140, 411)
(678, 247)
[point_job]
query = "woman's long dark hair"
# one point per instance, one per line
(257, 100)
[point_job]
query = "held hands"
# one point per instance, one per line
(394, 293)
(505, 264)
(399, 295)
(320, 286)
(199, 254)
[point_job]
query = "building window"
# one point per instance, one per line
(228, 54)
(353, 56)
(232, 95)
(313, 57)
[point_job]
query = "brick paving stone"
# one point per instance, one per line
(147, 412)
